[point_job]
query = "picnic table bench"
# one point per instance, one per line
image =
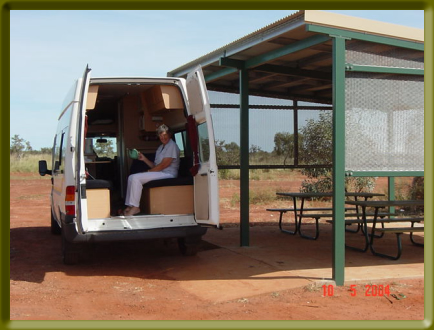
(284, 210)
(348, 222)
(302, 212)
(382, 221)
(398, 230)
(302, 215)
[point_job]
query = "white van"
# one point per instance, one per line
(101, 120)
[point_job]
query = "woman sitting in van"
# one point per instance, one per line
(165, 166)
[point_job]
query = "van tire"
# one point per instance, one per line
(55, 228)
(71, 253)
(188, 249)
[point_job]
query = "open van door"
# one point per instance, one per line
(82, 218)
(206, 194)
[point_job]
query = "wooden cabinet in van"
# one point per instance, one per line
(162, 97)
(163, 104)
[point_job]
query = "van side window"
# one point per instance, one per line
(58, 151)
(62, 149)
(203, 142)
(54, 151)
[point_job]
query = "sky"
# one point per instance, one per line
(50, 49)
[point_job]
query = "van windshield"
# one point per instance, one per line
(101, 147)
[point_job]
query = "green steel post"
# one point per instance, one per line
(244, 144)
(244, 157)
(339, 160)
(295, 133)
(391, 191)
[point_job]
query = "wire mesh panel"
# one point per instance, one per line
(384, 122)
(374, 54)
(384, 112)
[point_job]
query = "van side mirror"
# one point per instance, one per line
(43, 168)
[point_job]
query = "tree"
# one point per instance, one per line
(317, 146)
(227, 153)
(284, 145)
(19, 146)
(28, 146)
(317, 149)
(104, 149)
(255, 149)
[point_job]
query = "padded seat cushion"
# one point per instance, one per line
(98, 184)
(184, 176)
(180, 181)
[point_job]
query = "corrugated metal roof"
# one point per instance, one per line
(305, 74)
(240, 44)
(363, 25)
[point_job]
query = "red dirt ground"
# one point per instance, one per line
(130, 281)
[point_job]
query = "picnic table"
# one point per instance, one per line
(302, 212)
(398, 230)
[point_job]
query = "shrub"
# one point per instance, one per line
(227, 174)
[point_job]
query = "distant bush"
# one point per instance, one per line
(417, 191)
(417, 188)
(227, 174)
(28, 162)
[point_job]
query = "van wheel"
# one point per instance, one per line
(70, 252)
(55, 228)
(188, 249)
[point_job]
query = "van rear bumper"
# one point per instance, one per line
(192, 233)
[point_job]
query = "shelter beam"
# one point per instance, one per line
(264, 58)
(364, 36)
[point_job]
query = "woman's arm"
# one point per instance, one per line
(164, 164)
(144, 159)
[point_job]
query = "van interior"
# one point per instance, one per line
(120, 117)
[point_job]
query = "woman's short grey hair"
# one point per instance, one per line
(163, 128)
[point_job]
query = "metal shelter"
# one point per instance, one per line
(372, 73)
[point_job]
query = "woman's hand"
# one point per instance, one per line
(141, 157)
(144, 159)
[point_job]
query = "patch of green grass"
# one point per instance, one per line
(261, 196)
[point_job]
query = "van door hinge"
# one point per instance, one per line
(83, 191)
(71, 142)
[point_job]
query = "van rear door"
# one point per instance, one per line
(206, 195)
(80, 170)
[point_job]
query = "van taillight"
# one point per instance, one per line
(70, 200)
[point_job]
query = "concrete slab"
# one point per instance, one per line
(224, 275)
(276, 261)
